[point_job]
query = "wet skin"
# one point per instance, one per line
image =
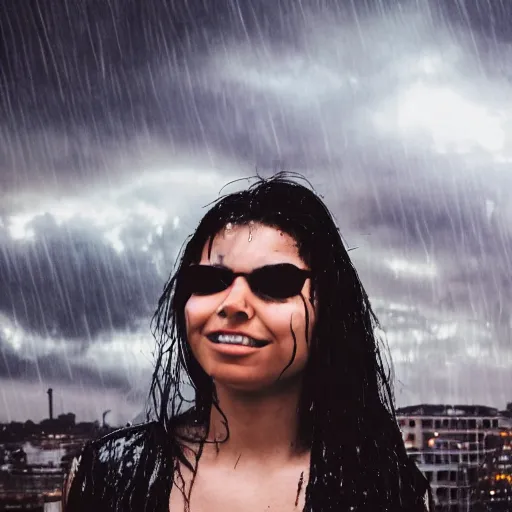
(243, 249)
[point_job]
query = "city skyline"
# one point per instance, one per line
(108, 413)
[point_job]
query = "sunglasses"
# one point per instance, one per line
(280, 281)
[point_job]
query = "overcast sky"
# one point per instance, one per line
(121, 119)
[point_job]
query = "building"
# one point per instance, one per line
(494, 487)
(451, 445)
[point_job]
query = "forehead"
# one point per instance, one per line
(250, 246)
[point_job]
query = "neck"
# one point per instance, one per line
(262, 427)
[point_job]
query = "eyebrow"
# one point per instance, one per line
(224, 267)
(219, 265)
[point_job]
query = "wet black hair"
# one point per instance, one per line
(346, 412)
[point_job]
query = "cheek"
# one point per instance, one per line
(283, 318)
(197, 312)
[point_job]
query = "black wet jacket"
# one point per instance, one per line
(127, 470)
(131, 470)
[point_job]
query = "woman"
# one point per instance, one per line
(266, 319)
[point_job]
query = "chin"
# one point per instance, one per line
(256, 386)
(241, 384)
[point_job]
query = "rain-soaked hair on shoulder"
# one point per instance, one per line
(346, 412)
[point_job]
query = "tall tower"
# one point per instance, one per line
(50, 402)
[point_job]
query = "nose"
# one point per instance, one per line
(236, 306)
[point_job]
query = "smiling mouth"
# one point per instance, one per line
(236, 339)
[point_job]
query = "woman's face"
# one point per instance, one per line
(213, 321)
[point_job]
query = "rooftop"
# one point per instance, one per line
(447, 410)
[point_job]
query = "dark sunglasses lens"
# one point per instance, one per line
(278, 281)
(206, 280)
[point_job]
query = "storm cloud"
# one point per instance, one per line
(123, 119)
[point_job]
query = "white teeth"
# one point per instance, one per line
(239, 340)
(235, 339)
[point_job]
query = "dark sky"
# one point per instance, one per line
(120, 120)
